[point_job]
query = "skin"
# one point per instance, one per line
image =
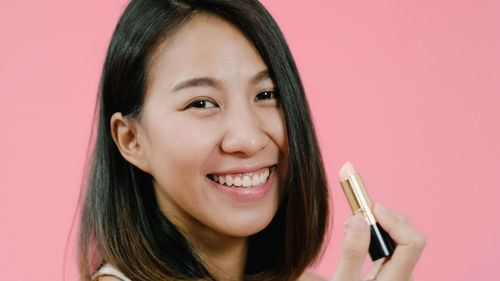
(231, 121)
(410, 244)
(234, 123)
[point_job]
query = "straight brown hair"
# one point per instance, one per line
(121, 223)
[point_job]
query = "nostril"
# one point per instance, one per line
(241, 144)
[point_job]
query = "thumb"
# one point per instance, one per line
(355, 249)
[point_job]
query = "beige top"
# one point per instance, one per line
(108, 269)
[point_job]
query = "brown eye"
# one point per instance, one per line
(201, 104)
(267, 95)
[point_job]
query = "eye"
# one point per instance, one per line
(201, 104)
(266, 95)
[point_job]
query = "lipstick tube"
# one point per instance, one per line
(381, 244)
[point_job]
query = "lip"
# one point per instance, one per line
(241, 170)
(246, 194)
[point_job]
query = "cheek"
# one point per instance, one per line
(179, 152)
(180, 147)
(275, 126)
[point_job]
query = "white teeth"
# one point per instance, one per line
(246, 182)
(263, 177)
(237, 181)
(229, 180)
(256, 180)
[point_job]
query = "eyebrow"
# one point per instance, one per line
(214, 83)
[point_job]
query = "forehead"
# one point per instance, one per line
(206, 45)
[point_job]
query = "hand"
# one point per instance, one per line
(399, 267)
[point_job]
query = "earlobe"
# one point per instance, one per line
(125, 136)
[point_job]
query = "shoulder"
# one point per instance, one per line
(108, 272)
(107, 278)
(308, 276)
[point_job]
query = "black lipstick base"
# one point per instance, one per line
(381, 244)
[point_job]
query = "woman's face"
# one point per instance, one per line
(210, 119)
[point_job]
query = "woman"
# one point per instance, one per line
(206, 165)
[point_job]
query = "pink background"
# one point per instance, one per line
(409, 91)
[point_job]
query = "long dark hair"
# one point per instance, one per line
(121, 222)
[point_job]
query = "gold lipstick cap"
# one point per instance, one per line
(355, 192)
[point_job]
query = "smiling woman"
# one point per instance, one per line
(223, 128)
(205, 164)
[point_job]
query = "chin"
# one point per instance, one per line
(245, 225)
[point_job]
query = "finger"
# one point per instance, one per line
(355, 249)
(410, 244)
(401, 217)
(376, 266)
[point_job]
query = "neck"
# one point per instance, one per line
(224, 257)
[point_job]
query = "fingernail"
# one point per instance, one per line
(346, 226)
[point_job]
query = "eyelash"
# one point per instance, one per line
(269, 94)
(201, 103)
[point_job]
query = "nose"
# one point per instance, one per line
(244, 133)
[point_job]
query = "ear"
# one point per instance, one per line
(125, 135)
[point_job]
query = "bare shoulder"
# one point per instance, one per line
(107, 278)
(308, 276)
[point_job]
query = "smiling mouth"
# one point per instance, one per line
(256, 178)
